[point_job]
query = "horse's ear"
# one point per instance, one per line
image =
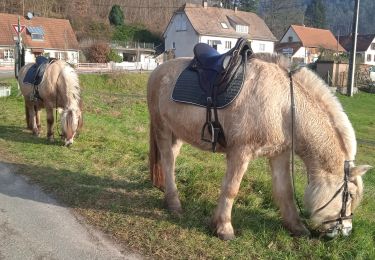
(359, 170)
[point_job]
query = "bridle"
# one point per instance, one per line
(345, 198)
(344, 186)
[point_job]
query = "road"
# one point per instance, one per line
(6, 73)
(34, 226)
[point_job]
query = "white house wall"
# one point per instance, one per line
(372, 53)
(290, 33)
(72, 56)
(179, 39)
(220, 47)
(262, 46)
(301, 53)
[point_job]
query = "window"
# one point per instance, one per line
(174, 45)
(37, 33)
(214, 43)
(262, 47)
(228, 44)
(8, 54)
(242, 28)
(180, 23)
(60, 55)
(224, 25)
(290, 38)
(373, 46)
(368, 57)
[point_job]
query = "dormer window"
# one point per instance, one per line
(224, 25)
(238, 24)
(37, 33)
(242, 28)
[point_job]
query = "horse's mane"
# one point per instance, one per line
(321, 93)
(72, 86)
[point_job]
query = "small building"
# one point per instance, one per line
(140, 55)
(304, 44)
(49, 37)
(5, 89)
(365, 47)
(217, 27)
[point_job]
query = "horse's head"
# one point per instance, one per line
(71, 120)
(332, 203)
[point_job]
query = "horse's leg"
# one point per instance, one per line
(32, 120)
(237, 162)
(283, 194)
(50, 121)
(37, 117)
(169, 147)
(27, 116)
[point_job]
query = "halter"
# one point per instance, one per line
(345, 197)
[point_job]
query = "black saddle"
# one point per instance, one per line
(220, 78)
(35, 74)
(217, 70)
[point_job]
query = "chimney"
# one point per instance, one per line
(204, 3)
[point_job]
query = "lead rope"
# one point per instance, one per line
(293, 108)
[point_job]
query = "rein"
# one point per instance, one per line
(293, 113)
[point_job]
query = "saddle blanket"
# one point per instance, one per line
(35, 73)
(188, 90)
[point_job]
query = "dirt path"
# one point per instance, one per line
(34, 226)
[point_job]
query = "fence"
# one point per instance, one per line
(6, 63)
(111, 67)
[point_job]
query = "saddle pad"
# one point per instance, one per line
(188, 89)
(35, 73)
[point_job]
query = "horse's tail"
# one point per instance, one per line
(156, 172)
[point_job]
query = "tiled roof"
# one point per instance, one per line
(58, 33)
(363, 42)
(317, 38)
(207, 21)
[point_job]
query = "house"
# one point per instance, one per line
(304, 44)
(50, 37)
(365, 47)
(218, 27)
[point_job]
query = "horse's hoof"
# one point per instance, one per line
(300, 231)
(51, 139)
(226, 237)
(36, 134)
(223, 231)
(173, 204)
(175, 209)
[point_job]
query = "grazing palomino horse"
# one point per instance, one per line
(59, 88)
(258, 123)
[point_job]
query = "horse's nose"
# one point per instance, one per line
(69, 142)
(346, 231)
(332, 233)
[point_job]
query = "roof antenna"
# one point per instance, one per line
(30, 15)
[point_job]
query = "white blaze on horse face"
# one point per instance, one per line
(69, 122)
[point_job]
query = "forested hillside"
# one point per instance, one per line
(90, 17)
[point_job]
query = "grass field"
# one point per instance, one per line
(104, 176)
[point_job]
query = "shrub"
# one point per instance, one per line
(98, 53)
(113, 56)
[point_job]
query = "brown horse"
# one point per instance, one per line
(59, 88)
(258, 123)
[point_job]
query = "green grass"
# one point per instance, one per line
(104, 176)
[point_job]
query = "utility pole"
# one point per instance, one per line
(351, 76)
(18, 63)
